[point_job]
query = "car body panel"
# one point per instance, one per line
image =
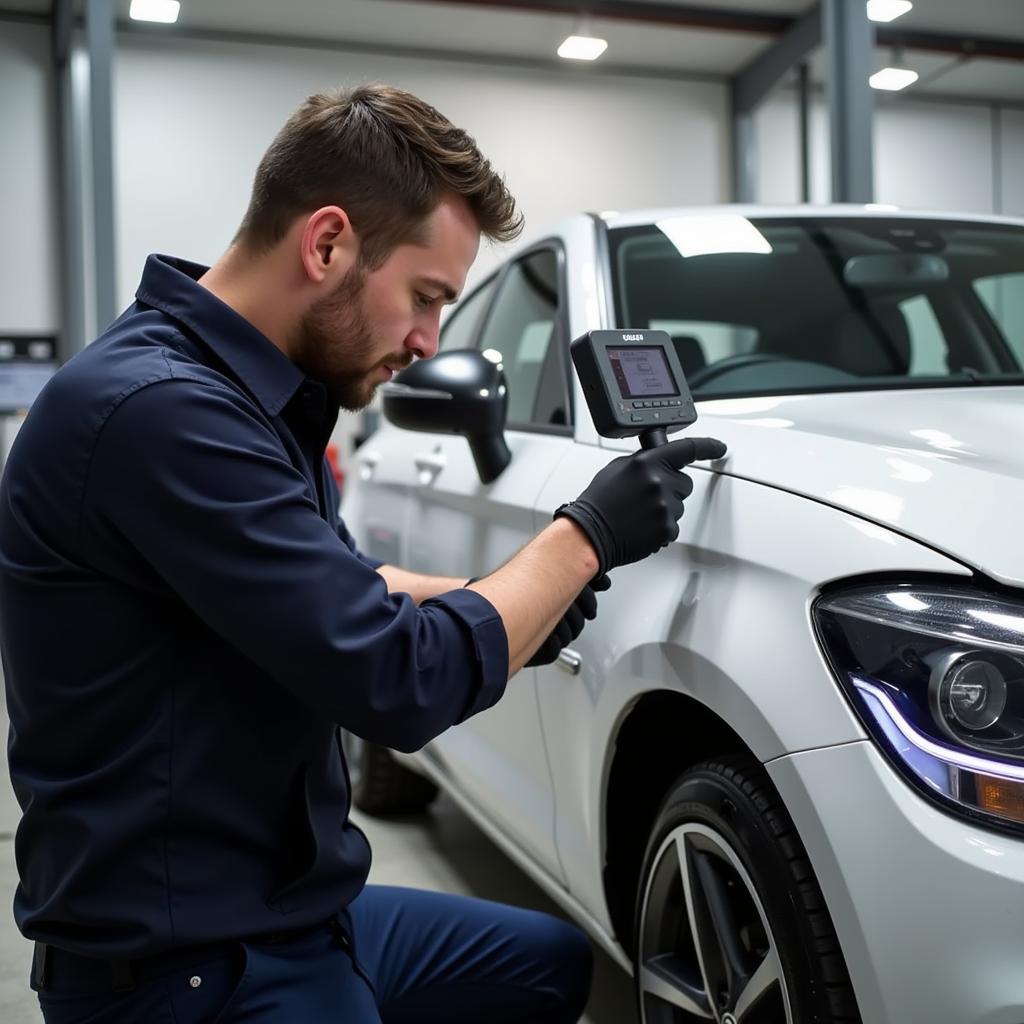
(929, 919)
(702, 618)
(884, 456)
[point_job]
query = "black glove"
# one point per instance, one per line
(632, 507)
(582, 610)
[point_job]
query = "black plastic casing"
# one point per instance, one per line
(618, 415)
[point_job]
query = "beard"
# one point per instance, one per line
(334, 344)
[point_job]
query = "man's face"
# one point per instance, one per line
(376, 322)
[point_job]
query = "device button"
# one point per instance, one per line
(636, 417)
(647, 405)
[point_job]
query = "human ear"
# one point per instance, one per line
(329, 246)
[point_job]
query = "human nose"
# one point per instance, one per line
(423, 341)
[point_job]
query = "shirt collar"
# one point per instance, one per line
(171, 285)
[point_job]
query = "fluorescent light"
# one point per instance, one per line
(893, 79)
(703, 234)
(164, 11)
(887, 10)
(582, 48)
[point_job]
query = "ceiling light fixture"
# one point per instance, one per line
(893, 79)
(163, 11)
(582, 44)
(888, 10)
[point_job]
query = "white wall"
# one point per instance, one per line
(927, 155)
(193, 119)
(28, 187)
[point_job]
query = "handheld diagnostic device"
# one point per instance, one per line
(633, 384)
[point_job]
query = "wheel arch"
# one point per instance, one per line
(661, 734)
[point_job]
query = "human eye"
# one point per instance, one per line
(424, 301)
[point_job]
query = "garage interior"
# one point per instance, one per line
(122, 137)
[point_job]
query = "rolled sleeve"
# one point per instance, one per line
(195, 480)
(490, 641)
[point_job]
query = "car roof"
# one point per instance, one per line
(651, 216)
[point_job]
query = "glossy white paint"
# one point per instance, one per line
(888, 457)
(720, 616)
(927, 908)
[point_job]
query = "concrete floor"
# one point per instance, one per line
(440, 850)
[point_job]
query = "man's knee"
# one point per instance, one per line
(570, 959)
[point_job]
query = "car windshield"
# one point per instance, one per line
(774, 306)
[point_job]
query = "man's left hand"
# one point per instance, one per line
(581, 611)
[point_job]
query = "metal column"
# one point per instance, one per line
(751, 86)
(804, 105)
(69, 168)
(99, 30)
(848, 44)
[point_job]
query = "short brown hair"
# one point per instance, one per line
(386, 158)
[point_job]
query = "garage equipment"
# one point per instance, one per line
(634, 384)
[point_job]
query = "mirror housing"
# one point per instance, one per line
(457, 392)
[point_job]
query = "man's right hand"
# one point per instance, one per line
(633, 506)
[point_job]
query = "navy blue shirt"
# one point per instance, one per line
(185, 622)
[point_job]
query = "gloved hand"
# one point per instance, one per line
(582, 610)
(633, 506)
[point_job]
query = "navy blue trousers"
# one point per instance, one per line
(418, 957)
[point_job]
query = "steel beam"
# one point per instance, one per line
(763, 73)
(99, 31)
(72, 335)
(849, 52)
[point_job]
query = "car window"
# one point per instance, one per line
(1003, 296)
(768, 306)
(459, 330)
(523, 326)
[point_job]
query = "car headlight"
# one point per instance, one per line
(937, 676)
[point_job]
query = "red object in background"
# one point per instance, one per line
(334, 461)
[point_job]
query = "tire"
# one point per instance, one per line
(731, 924)
(380, 785)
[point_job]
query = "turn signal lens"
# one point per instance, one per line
(1000, 796)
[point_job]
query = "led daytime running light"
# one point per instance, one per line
(957, 758)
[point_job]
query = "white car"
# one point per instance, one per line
(781, 776)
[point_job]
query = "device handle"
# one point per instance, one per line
(653, 437)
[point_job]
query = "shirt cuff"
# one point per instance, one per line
(373, 563)
(490, 642)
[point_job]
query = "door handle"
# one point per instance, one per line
(569, 661)
(368, 465)
(429, 464)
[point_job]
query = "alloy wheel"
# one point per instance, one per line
(707, 952)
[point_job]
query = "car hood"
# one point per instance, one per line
(944, 466)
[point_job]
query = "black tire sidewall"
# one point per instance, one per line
(705, 797)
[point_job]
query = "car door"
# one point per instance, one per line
(460, 526)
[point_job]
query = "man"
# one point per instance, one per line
(185, 620)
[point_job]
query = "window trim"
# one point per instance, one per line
(554, 245)
(494, 278)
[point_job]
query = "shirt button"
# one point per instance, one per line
(195, 981)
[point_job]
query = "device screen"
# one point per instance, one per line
(642, 372)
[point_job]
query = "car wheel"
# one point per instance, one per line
(380, 785)
(731, 923)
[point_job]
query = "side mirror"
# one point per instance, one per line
(457, 392)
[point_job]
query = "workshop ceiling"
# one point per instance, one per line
(526, 32)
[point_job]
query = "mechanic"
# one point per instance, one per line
(185, 620)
